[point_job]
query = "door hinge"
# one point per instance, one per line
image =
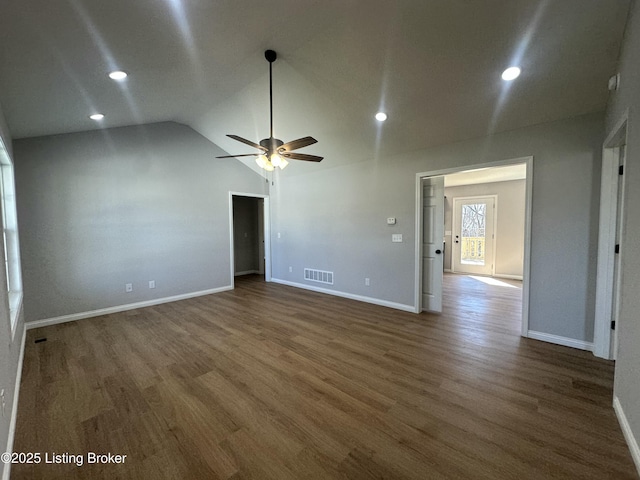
(621, 170)
(617, 249)
(613, 324)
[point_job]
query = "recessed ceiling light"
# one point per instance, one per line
(96, 116)
(381, 116)
(511, 73)
(118, 75)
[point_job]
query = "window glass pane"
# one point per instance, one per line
(473, 233)
(10, 236)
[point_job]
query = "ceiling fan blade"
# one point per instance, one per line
(243, 155)
(296, 144)
(248, 142)
(301, 156)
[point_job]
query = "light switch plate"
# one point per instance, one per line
(396, 238)
(391, 221)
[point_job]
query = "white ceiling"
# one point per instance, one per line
(434, 66)
(486, 175)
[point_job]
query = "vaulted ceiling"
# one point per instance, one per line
(433, 66)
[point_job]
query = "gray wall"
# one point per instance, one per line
(627, 382)
(9, 347)
(246, 234)
(128, 205)
(335, 219)
(509, 245)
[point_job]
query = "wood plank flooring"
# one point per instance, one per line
(272, 382)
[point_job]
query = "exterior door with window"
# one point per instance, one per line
(473, 235)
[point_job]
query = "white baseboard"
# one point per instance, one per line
(566, 341)
(14, 406)
(121, 308)
(351, 296)
(627, 432)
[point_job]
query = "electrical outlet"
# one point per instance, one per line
(396, 238)
(152, 284)
(128, 287)
(367, 282)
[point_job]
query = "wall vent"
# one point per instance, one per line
(318, 276)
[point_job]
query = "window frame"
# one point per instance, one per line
(11, 243)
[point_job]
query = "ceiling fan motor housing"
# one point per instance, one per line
(271, 144)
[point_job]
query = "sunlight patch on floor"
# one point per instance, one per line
(492, 281)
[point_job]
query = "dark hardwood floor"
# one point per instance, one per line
(272, 382)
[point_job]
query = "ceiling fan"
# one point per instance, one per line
(273, 151)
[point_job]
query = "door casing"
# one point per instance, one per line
(528, 161)
(606, 295)
(267, 235)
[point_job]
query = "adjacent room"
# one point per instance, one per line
(300, 239)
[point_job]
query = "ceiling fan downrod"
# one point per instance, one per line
(271, 57)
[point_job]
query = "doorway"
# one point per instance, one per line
(605, 334)
(473, 258)
(473, 235)
(249, 236)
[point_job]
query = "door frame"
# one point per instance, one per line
(605, 294)
(267, 235)
(528, 161)
(493, 227)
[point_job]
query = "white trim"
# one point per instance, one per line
(526, 261)
(417, 259)
(558, 340)
(627, 432)
(121, 308)
(14, 406)
(18, 308)
(607, 231)
(351, 296)
(526, 267)
(267, 234)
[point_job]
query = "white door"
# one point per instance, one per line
(432, 242)
(473, 235)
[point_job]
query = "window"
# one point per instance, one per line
(10, 237)
(473, 233)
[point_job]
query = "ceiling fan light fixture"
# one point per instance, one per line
(283, 163)
(276, 160)
(262, 161)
